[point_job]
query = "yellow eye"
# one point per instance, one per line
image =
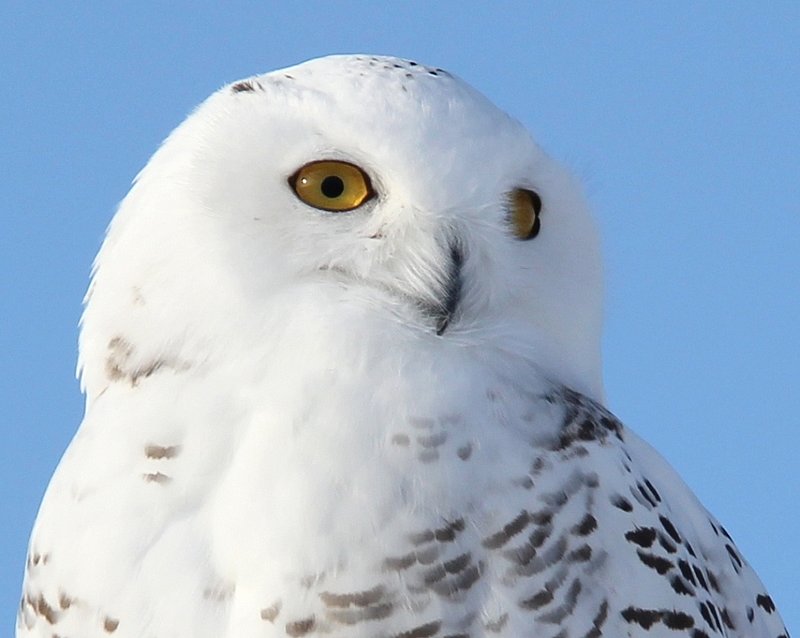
(525, 209)
(332, 185)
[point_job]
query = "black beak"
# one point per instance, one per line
(443, 312)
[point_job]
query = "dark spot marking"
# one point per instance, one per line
(580, 555)
(41, 607)
(432, 440)
(706, 612)
(661, 565)
(359, 599)
(734, 557)
(677, 620)
(670, 528)
(110, 624)
(653, 490)
(522, 554)
(584, 419)
(622, 503)
(423, 631)
(547, 558)
(434, 575)
(120, 352)
(680, 586)
(462, 582)
(646, 495)
(418, 538)
(538, 600)
(453, 566)
(668, 545)
(245, 86)
(642, 536)
(765, 602)
(542, 517)
(64, 601)
(427, 555)
(219, 593)
(700, 579)
(511, 529)
(687, 572)
(400, 563)
(271, 613)
(587, 525)
(712, 580)
(457, 564)
(646, 618)
(465, 451)
(557, 615)
(727, 619)
(353, 616)
(300, 627)
(423, 557)
(598, 621)
(161, 452)
(448, 532)
(156, 477)
(712, 608)
(401, 439)
(118, 363)
(540, 535)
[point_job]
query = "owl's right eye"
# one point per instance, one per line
(332, 185)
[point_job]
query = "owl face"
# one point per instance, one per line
(372, 185)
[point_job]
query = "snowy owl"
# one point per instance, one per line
(341, 357)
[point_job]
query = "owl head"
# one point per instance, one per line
(356, 195)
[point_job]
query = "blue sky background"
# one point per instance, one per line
(683, 119)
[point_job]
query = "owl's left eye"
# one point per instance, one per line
(526, 206)
(332, 185)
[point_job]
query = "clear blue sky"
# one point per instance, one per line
(682, 119)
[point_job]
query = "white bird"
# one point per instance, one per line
(341, 356)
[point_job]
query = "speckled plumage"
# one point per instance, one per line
(380, 423)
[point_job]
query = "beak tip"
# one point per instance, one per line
(452, 292)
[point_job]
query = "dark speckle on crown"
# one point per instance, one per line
(396, 65)
(359, 66)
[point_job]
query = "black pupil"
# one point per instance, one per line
(332, 186)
